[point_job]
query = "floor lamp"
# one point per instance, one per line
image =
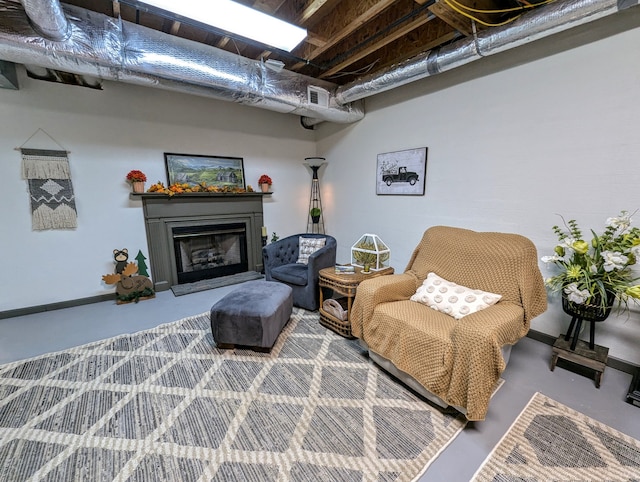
(315, 216)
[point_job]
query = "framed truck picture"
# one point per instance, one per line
(194, 169)
(402, 172)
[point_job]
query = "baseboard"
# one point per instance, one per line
(29, 310)
(613, 362)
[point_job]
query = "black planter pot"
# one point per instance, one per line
(580, 313)
(588, 312)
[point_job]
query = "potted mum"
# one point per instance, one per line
(265, 182)
(137, 179)
(594, 276)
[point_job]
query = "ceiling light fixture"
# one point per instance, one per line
(236, 18)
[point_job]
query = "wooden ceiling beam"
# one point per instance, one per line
(401, 32)
(442, 39)
(444, 12)
(222, 43)
(349, 20)
(268, 6)
(315, 40)
(407, 54)
(175, 26)
(309, 11)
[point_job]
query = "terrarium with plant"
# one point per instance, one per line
(372, 251)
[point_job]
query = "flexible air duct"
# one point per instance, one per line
(101, 46)
(104, 47)
(541, 22)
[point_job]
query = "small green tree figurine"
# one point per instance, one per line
(142, 266)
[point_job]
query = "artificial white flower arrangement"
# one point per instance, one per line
(597, 273)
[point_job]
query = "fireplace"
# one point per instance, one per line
(209, 251)
(199, 236)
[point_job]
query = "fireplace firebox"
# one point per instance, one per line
(209, 251)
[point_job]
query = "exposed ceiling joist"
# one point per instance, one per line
(345, 38)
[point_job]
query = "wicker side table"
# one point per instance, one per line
(345, 285)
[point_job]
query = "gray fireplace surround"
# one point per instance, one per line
(163, 213)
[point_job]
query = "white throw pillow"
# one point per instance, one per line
(453, 299)
(308, 246)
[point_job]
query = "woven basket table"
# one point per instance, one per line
(345, 285)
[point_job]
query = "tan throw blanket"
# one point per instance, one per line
(460, 361)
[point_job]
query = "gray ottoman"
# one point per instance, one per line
(252, 315)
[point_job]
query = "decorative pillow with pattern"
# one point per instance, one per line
(451, 298)
(308, 246)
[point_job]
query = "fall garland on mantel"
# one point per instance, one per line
(203, 187)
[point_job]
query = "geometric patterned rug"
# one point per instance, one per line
(166, 405)
(550, 441)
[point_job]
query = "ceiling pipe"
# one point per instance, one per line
(536, 24)
(101, 46)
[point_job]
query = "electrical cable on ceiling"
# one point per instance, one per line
(475, 19)
(458, 7)
(452, 3)
(502, 10)
(363, 70)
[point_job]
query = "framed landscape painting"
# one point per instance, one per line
(213, 170)
(402, 172)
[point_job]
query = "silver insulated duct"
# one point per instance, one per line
(539, 23)
(76, 40)
(84, 42)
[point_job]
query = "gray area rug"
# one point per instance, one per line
(167, 405)
(550, 441)
(209, 284)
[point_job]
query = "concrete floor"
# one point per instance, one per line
(528, 371)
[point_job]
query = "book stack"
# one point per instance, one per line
(345, 269)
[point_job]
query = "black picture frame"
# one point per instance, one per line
(194, 169)
(402, 173)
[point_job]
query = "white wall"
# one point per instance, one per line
(109, 133)
(512, 141)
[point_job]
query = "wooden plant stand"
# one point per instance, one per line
(594, 359)
(633, 397)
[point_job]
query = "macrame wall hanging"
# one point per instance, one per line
(47, 172)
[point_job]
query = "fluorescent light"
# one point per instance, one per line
(236, 18)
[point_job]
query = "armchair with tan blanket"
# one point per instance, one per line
(452, 361)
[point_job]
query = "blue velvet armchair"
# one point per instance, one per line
(280, 265)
